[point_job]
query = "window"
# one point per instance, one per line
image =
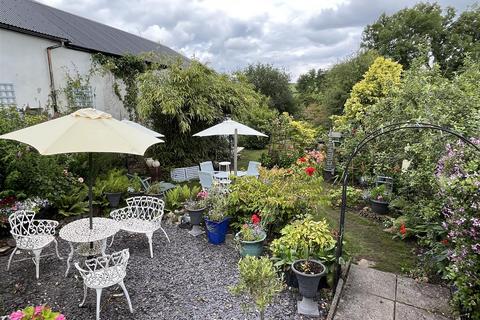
(7, 94)
(83, 97)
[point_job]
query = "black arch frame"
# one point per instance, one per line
(369, 137)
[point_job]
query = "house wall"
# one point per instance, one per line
(23, 62)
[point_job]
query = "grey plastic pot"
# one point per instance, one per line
(196, 216)
(308, 283)
(379, 207)
(113, 198)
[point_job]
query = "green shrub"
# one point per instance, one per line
(114, 181)
(304, 239)
(176, 198)
(258, 281)
(354, 197)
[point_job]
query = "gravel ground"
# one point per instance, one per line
(187, 279)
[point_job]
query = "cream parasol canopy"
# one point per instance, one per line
(85, 130)
(230, 127)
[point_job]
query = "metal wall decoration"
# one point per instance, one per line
(369, 137)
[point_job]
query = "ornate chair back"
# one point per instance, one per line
(146, 207)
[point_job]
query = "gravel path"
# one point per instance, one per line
(187, 279)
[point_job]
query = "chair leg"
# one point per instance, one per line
(165, 233)
(150, 242)
(37, 261)
(111, 242)
(99, 297)
(126, 295)
(84, 295)
(56, 249)
(11, 258)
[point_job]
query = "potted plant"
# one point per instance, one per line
(155, 190)
(113, 186)
(295, 239)
(251, 237)
(308, 273)
(195, 208)
(258, 281)
(380, 198)
(134, 188)
(216, 219)
(37, 313)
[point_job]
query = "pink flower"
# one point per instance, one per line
(60, 317)
(38, 310)
(17, 315)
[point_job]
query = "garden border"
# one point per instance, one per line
(369, 137)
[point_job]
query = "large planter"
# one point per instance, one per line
(156, 195)
(217, 230)
(136, 194)
(379, 207)
(113, 198)
(308, 283)
(251, 248)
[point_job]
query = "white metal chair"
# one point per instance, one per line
(105, 271)
(142, 215)
(206, 179)
(207, 166)
(31, 235)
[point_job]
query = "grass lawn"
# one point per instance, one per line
(365, 239)
(249, 155)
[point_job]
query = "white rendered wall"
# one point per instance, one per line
(23, 62)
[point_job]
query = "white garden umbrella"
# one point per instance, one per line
(230, 127)
(143, 128)
(86, 130)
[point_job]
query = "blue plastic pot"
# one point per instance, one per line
(217, 230)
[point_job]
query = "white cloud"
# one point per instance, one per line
(230, 34)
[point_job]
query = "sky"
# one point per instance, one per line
(228, 35)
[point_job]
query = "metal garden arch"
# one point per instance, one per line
(371, 136)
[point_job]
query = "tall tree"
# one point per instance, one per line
(426, 31)
(274, 83)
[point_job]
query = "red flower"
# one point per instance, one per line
(444, 241)
(403, 229)
(255, 218)
(302, 160)
(310, 171)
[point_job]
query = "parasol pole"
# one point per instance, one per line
(90, 187)
(235, 141)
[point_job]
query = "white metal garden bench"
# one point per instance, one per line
(142, 215)
(105, 271)
(31, 235)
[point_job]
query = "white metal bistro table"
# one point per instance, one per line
(79, 232)
(225, 164)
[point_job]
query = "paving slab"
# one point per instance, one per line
(364, 306)
(426, 296)
(371, 281)
(406, 312)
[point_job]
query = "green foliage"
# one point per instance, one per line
(258, 281)
(114, 181)
(288, 140)
(304, 239)
(354, 197)
(426, 31)
(217, 204)
(74, 203)
(186, 100)
(37, 313)
(381, 193)
(273, 83)
(279, 194)
(176, 197)
(155, 188)
(382, 77)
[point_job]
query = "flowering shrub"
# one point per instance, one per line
(36, 313)
(10, 204)
(280, 194)
(200, 201)
(459, 175)
(253, 230)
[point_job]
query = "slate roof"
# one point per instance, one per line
(78, 33)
